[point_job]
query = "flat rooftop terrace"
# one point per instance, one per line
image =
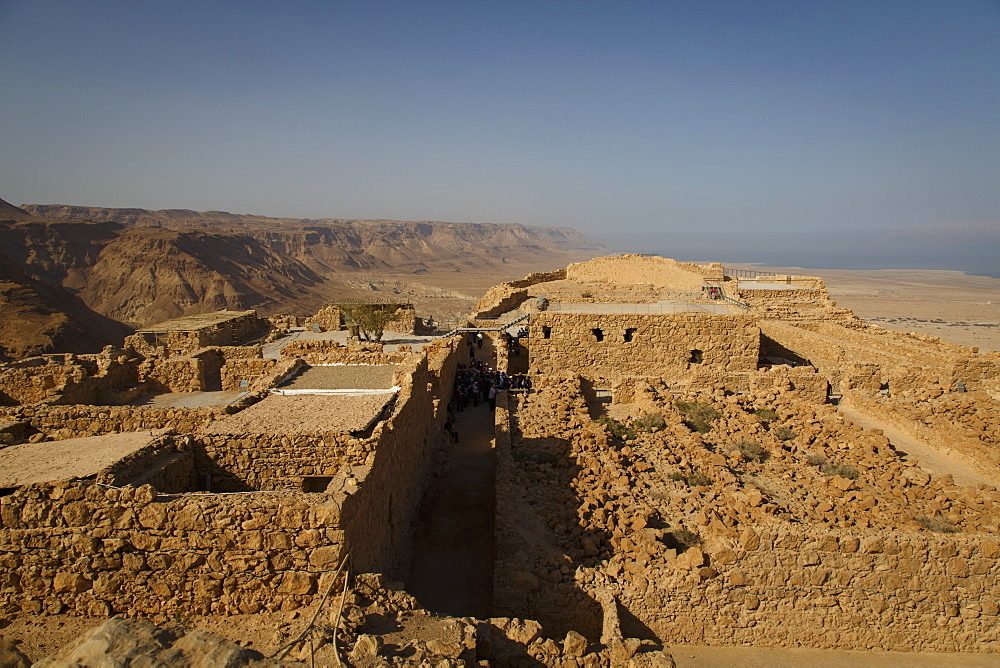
(194, 323)
(344, 377)
(664, 307)
(305, 414)
(67, 459)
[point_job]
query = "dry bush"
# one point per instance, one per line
(685, 538)
(784, 434)
(843, 470)
(617, 429)
(752, 451)
(937, 524)
(765, 414)
(698, 416)
(649, 422)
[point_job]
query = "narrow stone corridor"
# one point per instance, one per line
(452, 569)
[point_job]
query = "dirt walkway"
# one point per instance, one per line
(927, 457)
(452, 571)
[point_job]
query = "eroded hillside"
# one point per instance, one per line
(142, 267)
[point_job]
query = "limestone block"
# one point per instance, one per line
(297, 583)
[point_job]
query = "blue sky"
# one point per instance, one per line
(823, 132)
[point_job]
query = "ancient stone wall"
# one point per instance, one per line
(507, 296)
(174, 374)
(379, 512)
(659, 345)
(249, 462)
(828, 589)
(870, 357)
(332, 352)
(166, 463)
(328, 319)
(61, 422)
(87, 549)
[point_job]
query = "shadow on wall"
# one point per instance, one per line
(545, 590)
(772, 352)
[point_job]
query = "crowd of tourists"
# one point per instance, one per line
(477, 383)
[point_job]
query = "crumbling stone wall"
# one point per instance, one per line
(332, 352)
(660, 344)
(507, 296)
(841, 589)
(166, 463)
(175, 374)
(866, 357)
(86, 549)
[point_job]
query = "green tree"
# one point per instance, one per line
(369, 317)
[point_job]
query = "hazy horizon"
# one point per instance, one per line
(854, 133)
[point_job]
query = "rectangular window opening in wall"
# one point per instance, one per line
(696, 357)
(546, 332)
(598, 333)
(315, 483)
(629, 334)
(603, 396)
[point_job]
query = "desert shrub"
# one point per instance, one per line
(784, 434)
(752, 451)
(617, 429)
(765, 414)
(698, 479)
(698, 416)
(685, 538)
(649, 422)
(587, 295)
(816, 460)
(936, 523)
(692, 478)
(843, 470)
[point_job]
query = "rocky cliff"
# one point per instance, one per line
(141, 267)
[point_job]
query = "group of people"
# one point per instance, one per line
(478, 383)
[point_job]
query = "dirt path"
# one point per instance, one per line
(452, 571)
(927, 457)
(692, 656)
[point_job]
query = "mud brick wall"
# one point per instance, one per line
(74, 421)
(826, 589)
(86, 549)
(661, 345)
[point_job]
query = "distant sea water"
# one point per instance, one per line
(861, 261)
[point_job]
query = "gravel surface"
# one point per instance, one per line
(303, 414)
(66, 459)
(354, 377)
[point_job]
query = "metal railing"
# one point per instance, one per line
(746, 273)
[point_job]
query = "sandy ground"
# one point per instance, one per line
(957, 307)
(303, 414)
(354, 377)
(66, 459)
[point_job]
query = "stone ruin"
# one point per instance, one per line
(685, 470)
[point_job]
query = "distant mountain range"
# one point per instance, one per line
(76, 278)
